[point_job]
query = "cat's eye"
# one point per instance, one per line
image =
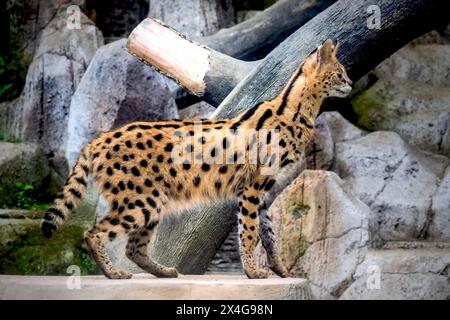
(341, 77)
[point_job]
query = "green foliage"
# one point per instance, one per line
(33, 254)
(24, 197)
(13, 70)
(7, 137)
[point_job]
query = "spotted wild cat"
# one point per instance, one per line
(146, 170)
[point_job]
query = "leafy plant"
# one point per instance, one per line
(7, 137)
(13, 70)
(24, 197)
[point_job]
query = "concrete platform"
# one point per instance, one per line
(144, 286)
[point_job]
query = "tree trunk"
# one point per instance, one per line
(207, 73)
(361, 50)
(191, 65)
(254, 38)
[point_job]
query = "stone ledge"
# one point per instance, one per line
(144, 286)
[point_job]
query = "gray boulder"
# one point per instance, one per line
(195, 17)
(402, 274)
(40, 114)
(116, 89)
(418, 112)
(197, 110)
(28, 18)
(411, 97)
(21, 162)
(395, 180)
(330, 128)
(322, 229)
(438, 227)
(427, 63)
(404, 187)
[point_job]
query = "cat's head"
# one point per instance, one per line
(326, 72)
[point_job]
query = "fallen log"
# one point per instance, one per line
(256, 37)
(210, 71)
(193, 66)
(362, 48)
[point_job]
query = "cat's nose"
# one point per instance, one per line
(350, 82)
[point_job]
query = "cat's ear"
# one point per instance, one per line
(318, 55)
(336, 47)
(325, 52)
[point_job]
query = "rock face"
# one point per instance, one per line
(396, 181)
(411, 97)
(398, 192)
(195, 17)
(197, 110)
(403, 186)
(116, 89)
(40, 114)
(116, 18)
(330, 128)
(28, 18)
(427, 63)
(24, 250)
(439, 226)
(323, 231)
(402, 274)
(20, 162)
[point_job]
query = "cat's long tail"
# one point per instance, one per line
(70, 196)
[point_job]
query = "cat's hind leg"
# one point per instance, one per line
(95, 240)
(137, 251)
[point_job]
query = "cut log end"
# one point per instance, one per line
(170, 53)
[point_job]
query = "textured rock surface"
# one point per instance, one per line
(417, 111)
(195, 17)
(21, 162)
(24, 250)
(116, 18)
(439, 215)
(28, 18)
(147, 287)
(323, 231)
(403, 195)
(396, 181)
(40, 114)
(427, 63)
(404, 187)
(330, 128)
(116, 89)
(197, 110)
(411, 97)
(402, 274)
